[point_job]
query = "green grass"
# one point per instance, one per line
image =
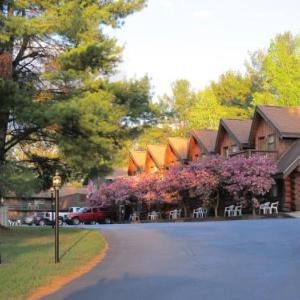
(28, 257)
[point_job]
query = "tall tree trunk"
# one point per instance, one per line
(5, 74)
(4, 116)
(217, 204)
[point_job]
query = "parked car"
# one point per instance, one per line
(42, 219)
(90, 215)
(28, 220)
(73, 209)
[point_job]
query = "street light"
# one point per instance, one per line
(56, 182)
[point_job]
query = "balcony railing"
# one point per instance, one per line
(270, 154)
(28, 206)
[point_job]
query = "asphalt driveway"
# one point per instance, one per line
(211, 260)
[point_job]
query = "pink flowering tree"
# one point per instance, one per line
(249, 177)
(147, 187)
(119, 191)
(212, 165)
(183, 180)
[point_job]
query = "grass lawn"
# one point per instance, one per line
(28, 255)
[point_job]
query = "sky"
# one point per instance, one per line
(198, 40)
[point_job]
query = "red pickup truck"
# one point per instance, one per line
(90, 215)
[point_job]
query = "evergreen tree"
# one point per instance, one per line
(55, 92)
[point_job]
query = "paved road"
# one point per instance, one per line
(211, 260)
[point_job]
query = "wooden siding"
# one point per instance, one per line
(263, 130)
(195, 150)
(150, 166)
(170, 157)
(226, 140)
(132, 168)
(291, 196)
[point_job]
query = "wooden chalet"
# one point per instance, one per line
(202, 142)
(275, 132)
(176, 151)
(232, 136)
(155, 158)
(136, 163)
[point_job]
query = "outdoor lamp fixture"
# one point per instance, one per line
(2, 201)
(56, 182)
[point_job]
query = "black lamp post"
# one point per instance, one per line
(56, 185)
(52, 191)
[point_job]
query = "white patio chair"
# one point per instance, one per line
(264, 207)
(204, 212)
(179, 213)
(237, 210)
(274, 207)
(229, 210)
(171, 214)
(197, 212)
(134, 217)
(175, 214)
(153, 215)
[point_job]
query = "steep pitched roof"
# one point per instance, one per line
(206, 138)
(285, 120)
(290, 160)
(239, 130)
(139, 158)
(157, 153)
(179, 146)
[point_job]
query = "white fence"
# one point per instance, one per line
(3, 215)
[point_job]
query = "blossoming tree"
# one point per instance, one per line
(183, 181)
(213, 166)
(249, 176)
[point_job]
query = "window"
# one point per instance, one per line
(154, 169)
(225, 151)
(234, 149)
(271, 142)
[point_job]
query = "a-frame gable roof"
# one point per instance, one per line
(179, 146)
(239, 130)
(138, 157)
(157, 152)
(206, 138)
(284, 120)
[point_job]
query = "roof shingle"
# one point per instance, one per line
(285, 119)
(179, 146)
(206, 137)
(239, 128)
(158, 154)
(139, 158)
(290, 160)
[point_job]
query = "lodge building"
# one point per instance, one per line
(273, 131)
(202, 143)
(176, 151)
